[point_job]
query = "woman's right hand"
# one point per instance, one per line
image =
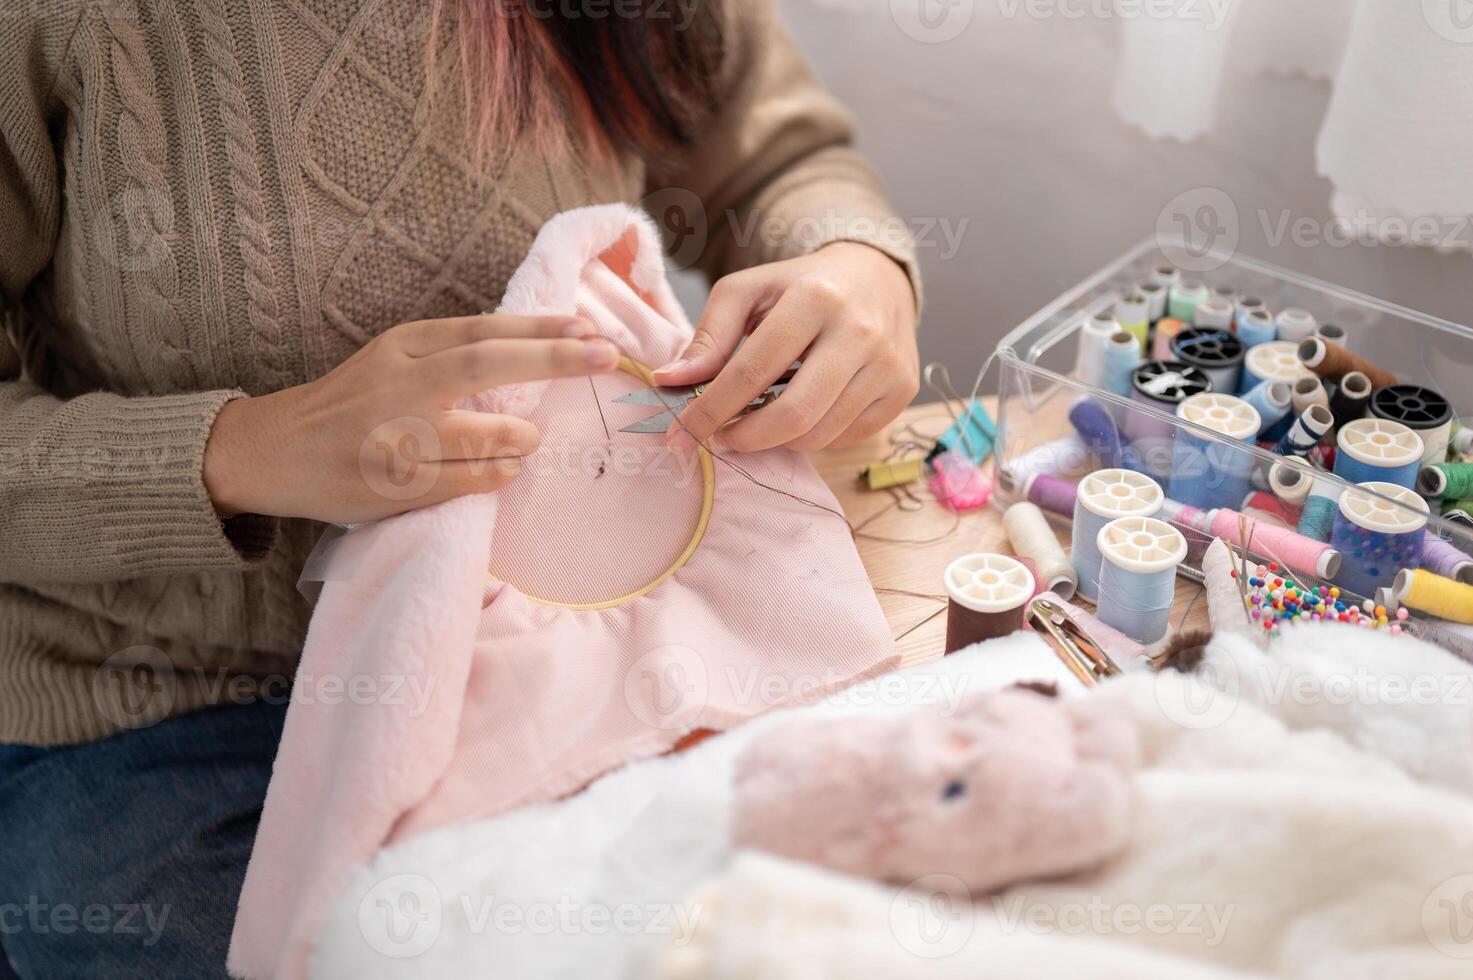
(380, 434)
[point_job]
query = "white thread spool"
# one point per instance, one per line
(1277, 360)
(1094, 339)
(1289, 483)
(1296, 324)
(1103, 496)
(1215, 311)
(1064, 456)
(1033, 537)
(1155, 295)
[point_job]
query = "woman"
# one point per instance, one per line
(240, 242)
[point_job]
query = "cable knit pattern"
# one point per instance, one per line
(203, 200)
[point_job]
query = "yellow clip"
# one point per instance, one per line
(892, 473)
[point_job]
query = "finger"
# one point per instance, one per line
(735, 303)
(466, 435)
(458, 477)
(815, 392)
(785, 335)
(860, 394)
(425, 337)
(465, 370)
(871, 420)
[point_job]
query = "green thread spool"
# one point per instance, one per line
(1446, 481)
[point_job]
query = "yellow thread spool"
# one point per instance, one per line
(1429, 593)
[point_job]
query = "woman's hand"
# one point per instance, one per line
(847, 311)
(380, 434)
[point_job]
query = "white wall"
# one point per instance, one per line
(1008, 127)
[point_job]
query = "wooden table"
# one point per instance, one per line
(895, 568)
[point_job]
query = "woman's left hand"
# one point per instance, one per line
(847, 311)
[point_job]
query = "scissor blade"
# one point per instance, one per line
(658, 422)
(640, 396)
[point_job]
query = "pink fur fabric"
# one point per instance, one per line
(1013, 786)
(531, 701)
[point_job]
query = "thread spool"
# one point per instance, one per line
(1267, 507)
(1256, 326)
(1121, 648)
(1422, 410)
(1215, 352)
(1066, 455)
(1224, 602)
(1214, 313)
(1277, 360)
(1306, 432)
(1227, 292)
(1139, 559)
(1101, 497)
(1210, 474)
(1458, 511)
(1133, 313)
(1094, 337)
(1185, 295)
(1033, 537)
(1378, 532)
(1166, 275)
(1351, 399)
(1289, 548)
(1442, 597)
(1334, 333)
(1295, 324)
(1317, 518)
(1098, 431)
(1289, 483)
(1247, 305)
(1309, 391)
(1378, 449)
(1167, 330)
(1462, 440)
(1155, 295)
(1333, 362)
(1444, 558)
(1271, 400)
(1051, 493)
(1162, 385)
(1446, 481)
(987, 597)
(1122, 357)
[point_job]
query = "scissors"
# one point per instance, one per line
(674, 401)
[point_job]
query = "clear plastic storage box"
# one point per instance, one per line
(1209, 476)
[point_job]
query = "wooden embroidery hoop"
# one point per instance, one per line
(708, 497)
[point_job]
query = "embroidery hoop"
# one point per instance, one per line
(708, 497)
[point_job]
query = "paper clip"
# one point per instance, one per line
(893, 472)
(1085, 658)
(972, 432)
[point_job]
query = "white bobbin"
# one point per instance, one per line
(1296, 324)
(1215, 311)
(1382, 443)
(1289, 483)
(1277, 360)
(1227, 414)
(1120, 493)
(1142, 544)
(988, 583)
(1361, 507)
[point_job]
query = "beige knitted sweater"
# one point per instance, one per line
(206, 199)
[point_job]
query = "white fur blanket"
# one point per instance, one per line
(1261, 850)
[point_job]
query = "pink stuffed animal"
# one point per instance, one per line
(1013, 786)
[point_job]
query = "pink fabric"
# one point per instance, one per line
(529, 701)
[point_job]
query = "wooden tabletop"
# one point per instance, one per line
(911, 547)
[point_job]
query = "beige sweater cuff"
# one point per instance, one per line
(147, 494)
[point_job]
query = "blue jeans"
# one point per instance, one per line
(125, 857)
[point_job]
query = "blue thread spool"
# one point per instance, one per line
(1162, 385)
(1204, 473)
(1103, 496)
(1122, 357)
(1256, 326)
(1378, 450)
(1317, 518)
(1184, 297)
(1271, 400)
(1139, 559)
(1215, 352)
(1306, 432)
(1422, 410)
(1377, 537)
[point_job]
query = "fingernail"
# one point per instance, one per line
(577, 329)
(674, 365)
(680, 440)
(600, 354)
(508, 466)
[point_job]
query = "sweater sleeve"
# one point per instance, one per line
(99, 486)
(776, 175)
